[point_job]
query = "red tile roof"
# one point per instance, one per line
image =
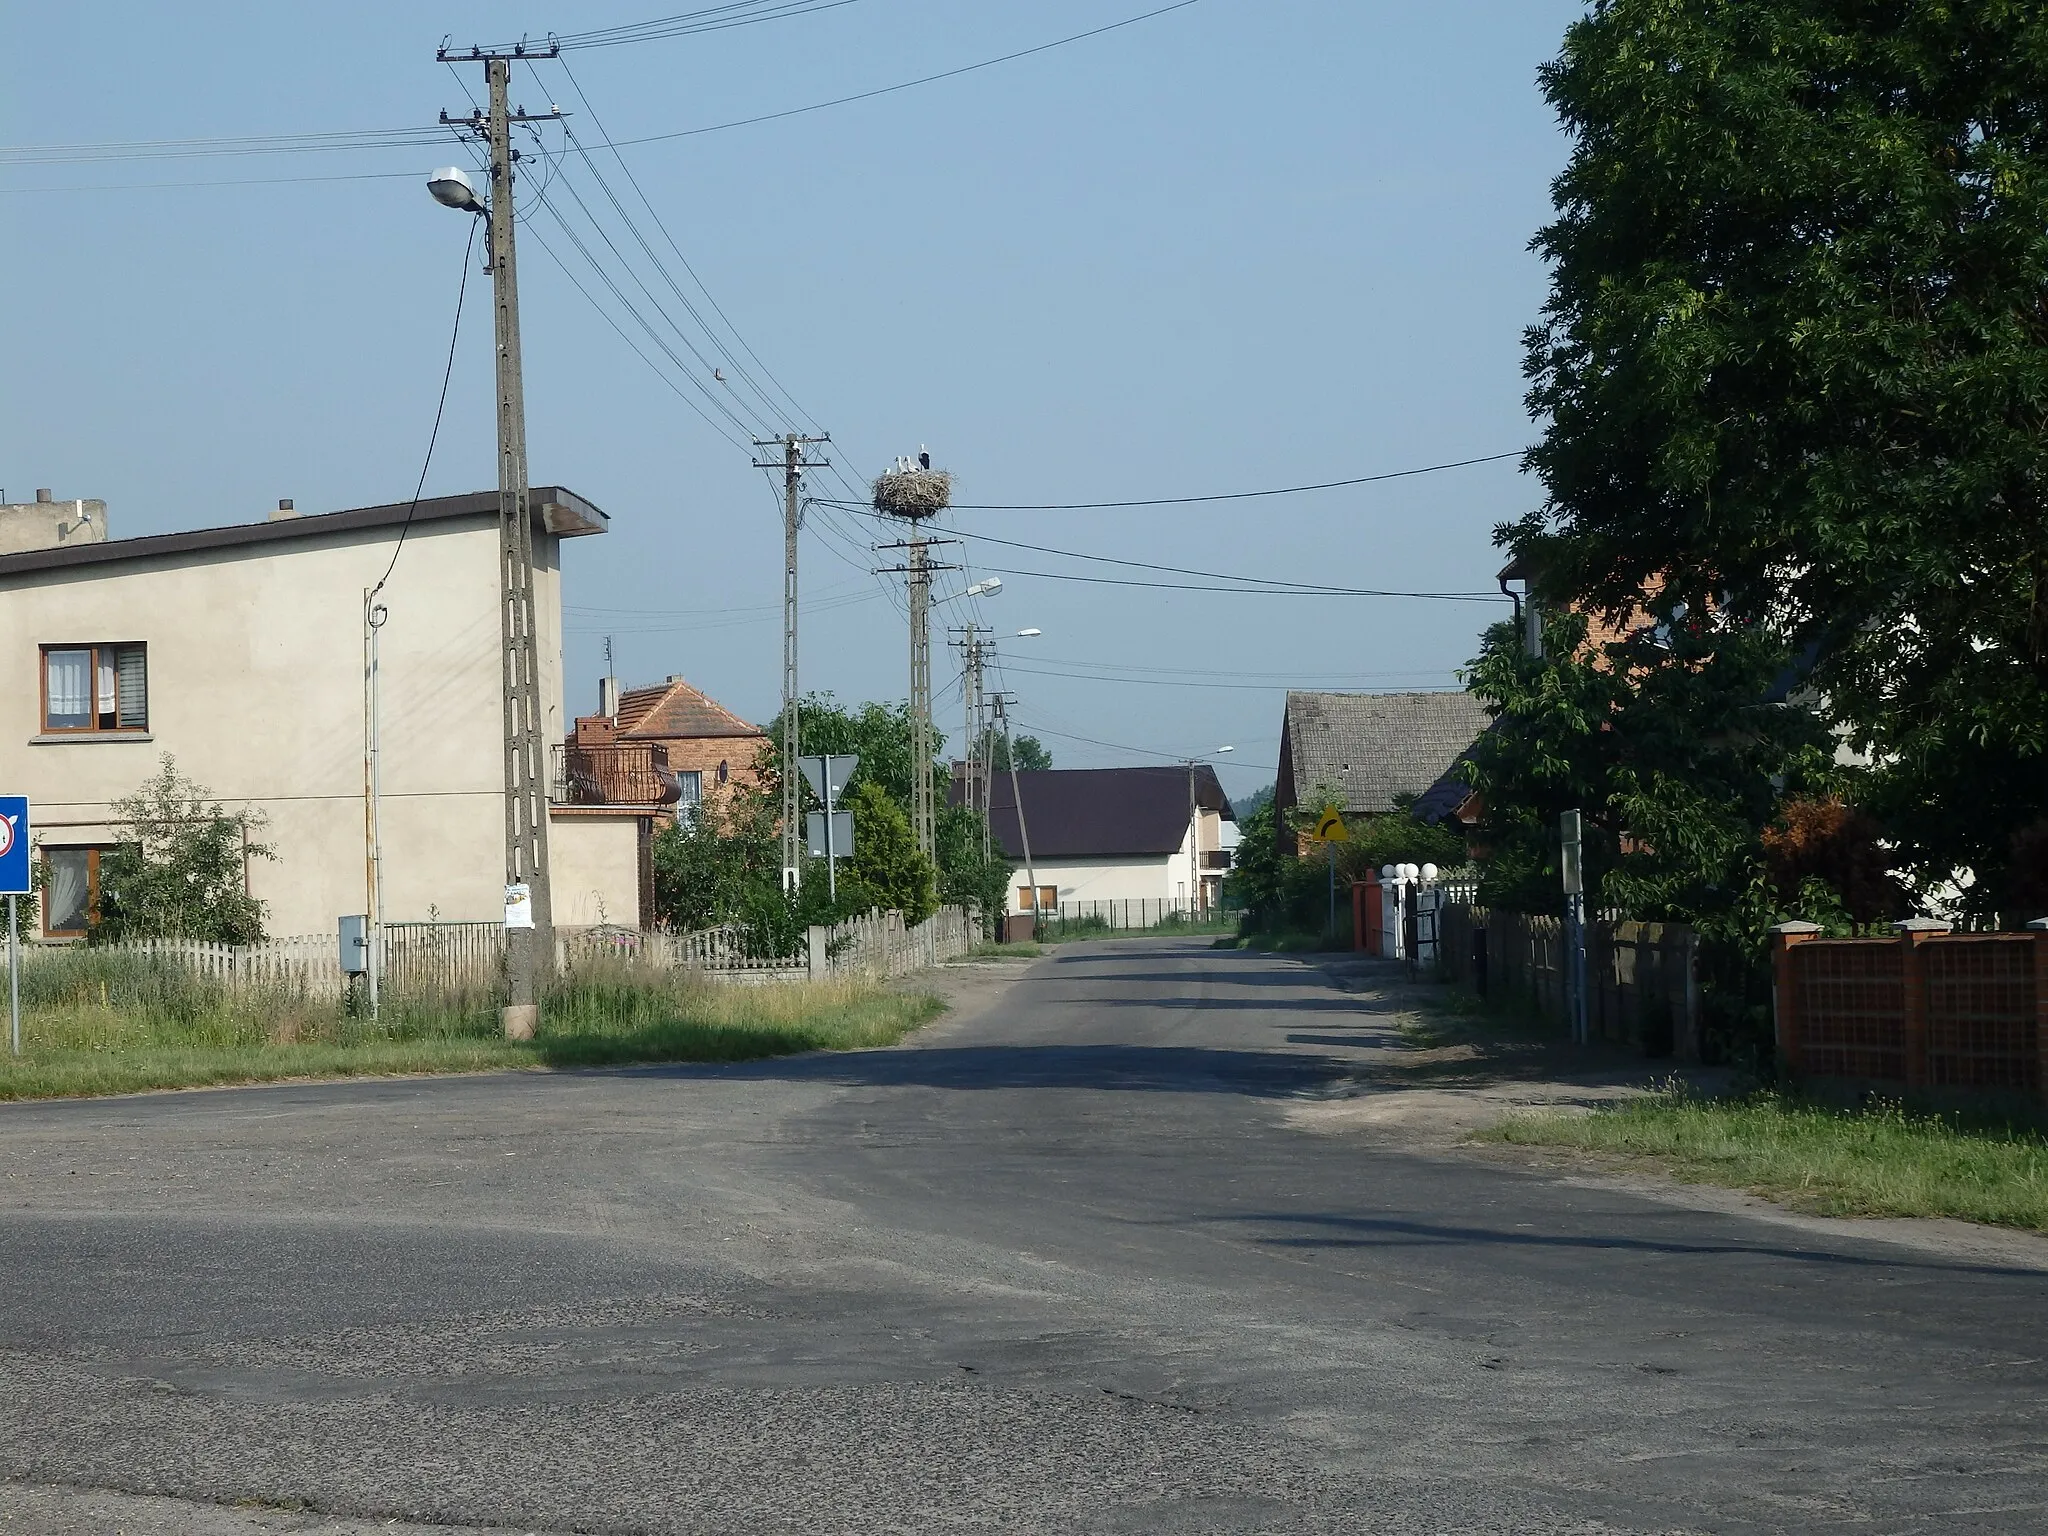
(673, 711)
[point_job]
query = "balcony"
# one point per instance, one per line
(634, 773)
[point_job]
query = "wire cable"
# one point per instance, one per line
(433, 437)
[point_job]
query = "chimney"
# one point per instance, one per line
(284, 510)
(42, 493)
(608, 697)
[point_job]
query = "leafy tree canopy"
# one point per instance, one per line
(1795, 369)
(181, 870)
(1031, 753)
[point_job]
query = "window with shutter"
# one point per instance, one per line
(98, 690)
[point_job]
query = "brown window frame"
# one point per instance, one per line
(1028, 902)
(93, 650)
(92, 852)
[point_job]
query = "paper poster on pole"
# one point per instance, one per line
(518, 906)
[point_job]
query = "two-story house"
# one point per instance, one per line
(239, 651)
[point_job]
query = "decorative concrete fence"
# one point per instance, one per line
(1927, 1011)
(1642, 990)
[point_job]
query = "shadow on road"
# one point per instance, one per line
(1398, 1232)
(1115, 1068)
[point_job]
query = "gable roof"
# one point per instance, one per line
(1372, 747)
(674, 710)
(554, 509)
(1099, 813)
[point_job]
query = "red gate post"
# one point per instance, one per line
(2039, 928)
(1913, 932)
(1373, 914)
(1785, 994)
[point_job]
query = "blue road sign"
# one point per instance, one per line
(13, 845)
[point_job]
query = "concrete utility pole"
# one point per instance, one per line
(792, 464)
(919, 569)
(973, 793)
(922, 820)
(529, 950)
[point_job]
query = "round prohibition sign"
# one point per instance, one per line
(6, 836)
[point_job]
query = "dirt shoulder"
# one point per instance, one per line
(1432, 1079)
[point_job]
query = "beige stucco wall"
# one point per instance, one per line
(594, 867)
(255, 686)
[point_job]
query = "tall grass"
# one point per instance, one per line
(99, 1021)
(1879, 1160)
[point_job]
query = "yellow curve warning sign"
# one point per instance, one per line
(1330, 827)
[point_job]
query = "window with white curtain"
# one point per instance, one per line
(692, 782)
(94, 689)
(71, 878)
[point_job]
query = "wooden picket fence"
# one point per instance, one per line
(423, 959)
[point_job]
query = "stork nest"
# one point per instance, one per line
(913, 493)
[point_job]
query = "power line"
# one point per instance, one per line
(394, 138)
(1181, 501)
(1183, 586)
(1178, 570)
(710, 298)
(716, 18)
(1188, 682)
(905, 85)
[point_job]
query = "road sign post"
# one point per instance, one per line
(830, 832)
(14, 880)
(1330, 831)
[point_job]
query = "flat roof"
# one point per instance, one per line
(556, 510)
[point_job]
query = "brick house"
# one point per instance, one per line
(669, 744)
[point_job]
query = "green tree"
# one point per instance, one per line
(1794, 365)
(1031, 753)
(182, 868)
(887, 863)
(880, 733)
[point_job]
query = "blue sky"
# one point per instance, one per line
(1248, 243)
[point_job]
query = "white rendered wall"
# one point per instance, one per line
(256, 688)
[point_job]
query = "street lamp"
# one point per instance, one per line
(451, 189)
(985, 588)
(1029, 634)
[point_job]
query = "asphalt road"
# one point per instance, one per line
(1060, 1266)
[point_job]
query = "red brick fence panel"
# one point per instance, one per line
(1981, 1025)
(1852, 1009)
(1928, 1009)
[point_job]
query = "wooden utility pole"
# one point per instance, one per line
(792, 464)
(1001, 701)
(529, 933)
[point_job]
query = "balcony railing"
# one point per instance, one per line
(633, 773)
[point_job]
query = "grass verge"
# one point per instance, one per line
(116, 1024)
(1028, 950)
(1877, 1161)
(1293, 941)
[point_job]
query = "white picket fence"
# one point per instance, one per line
(424, 958)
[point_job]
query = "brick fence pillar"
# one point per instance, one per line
(1914, 932)
(1784, 995)
(2039, 928)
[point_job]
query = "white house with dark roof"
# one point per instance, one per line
(238, 650)
(1105, 835)
(1368, 751)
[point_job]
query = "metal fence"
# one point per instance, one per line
(1079, 919)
